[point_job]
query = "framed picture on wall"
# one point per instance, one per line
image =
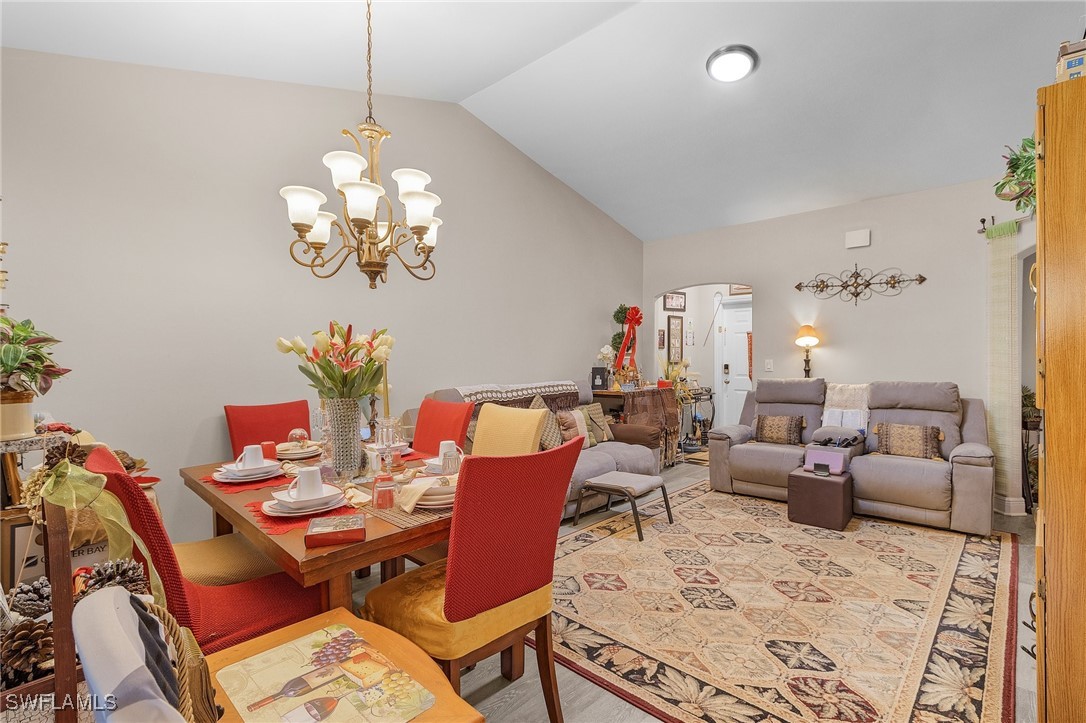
(660, 343)
(674, 339)
(675, 301)
(739, 290)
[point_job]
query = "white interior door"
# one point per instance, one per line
(732, 375)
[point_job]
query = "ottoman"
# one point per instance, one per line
(628, 485)
(820, 501)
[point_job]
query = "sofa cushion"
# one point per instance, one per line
(909, 440)
(779, 430)
(597, 422)
(906, 481)
(949, 423)
(552, 433)
(575, 424)
(791, 391)
(936, 396)
(811, 413)
(590, 463)
(764, 463)
(628, 457)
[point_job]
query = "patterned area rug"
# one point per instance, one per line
(735, 614)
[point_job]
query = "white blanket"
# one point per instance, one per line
(846, 406)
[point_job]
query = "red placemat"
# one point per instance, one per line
(232, 488)
(281, 525)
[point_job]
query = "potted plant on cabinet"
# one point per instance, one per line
(27, 369)
(1018, 184)
(1031, 415)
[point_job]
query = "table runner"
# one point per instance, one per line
(232, 488)
(282, 525)
(406, 520)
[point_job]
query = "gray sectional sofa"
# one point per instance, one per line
(955, 492)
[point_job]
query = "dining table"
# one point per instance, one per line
(331, 567)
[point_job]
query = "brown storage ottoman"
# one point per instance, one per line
(820, 501)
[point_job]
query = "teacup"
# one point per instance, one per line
(252, 457)
(448, 446)
(307, 485)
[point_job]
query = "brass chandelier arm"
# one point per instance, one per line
(425, 265)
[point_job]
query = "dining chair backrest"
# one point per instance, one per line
(507, 431)
(439, 421)
(504, 530)
(258, 423)
(146, 522)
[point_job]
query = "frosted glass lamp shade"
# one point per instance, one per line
(302, 203)
(410, 179)
(806, 336)
(430, 239)
(345, 166)
(362, 197)
(420, 207)
(322, 229)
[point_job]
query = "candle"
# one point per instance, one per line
(384, 394)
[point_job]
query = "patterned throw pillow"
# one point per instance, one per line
(552, 433)
(597, 422)
(778, 430)
(573, 424)
(909, 440)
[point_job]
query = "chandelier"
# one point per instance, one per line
(371, 234)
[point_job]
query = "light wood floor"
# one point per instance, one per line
(584, 702)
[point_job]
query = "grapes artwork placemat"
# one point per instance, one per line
(332, 674)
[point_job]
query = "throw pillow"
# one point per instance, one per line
(572, 425)
(778, 429)
(552, 433)
(597, 422)
(909, 440)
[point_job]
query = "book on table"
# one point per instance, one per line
(335, 530)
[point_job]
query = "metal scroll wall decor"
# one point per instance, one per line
(859, 284)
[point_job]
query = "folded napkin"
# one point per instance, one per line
(356, 497)
(410, 494)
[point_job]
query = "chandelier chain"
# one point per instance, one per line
(369, 62)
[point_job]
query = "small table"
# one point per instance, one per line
(628, 485)
(822, 501)
(331, 567)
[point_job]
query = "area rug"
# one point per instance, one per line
(733, 613)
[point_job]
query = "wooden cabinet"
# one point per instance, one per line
(1061, 392)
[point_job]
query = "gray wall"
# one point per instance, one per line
(932, 332)
(146, 232)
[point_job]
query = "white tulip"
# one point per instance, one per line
(284, 345)
(298, 345)
(380, 354)
(322, 342)
(385, 340)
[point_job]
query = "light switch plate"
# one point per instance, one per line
(769, 365)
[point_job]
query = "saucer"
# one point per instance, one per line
(234, 470)
(272, 509)
(284, 500)
(220, 476)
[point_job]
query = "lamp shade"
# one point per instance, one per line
(362, 197)
(322, 229)
(431, 236)
(419, 207)
(410, 179)
(302, 203)
(345, 166)
(806, 336)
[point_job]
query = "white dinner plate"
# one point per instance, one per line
(231, 479)
(439, 493)
(433, 505)
(402, 448)
(272, 509)
(298, 457)
(284, 500)
(235, 471)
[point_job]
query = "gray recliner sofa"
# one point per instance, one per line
(955, 492)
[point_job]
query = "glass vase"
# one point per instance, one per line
(344, 416)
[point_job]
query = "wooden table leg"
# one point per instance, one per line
(336, 593)
(222, 526)
(391, 568)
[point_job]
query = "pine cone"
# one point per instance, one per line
(127, 573)
(32, 599)
(27, 646)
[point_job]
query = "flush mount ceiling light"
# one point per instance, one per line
(731, 63)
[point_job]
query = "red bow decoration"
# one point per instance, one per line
(633, 320)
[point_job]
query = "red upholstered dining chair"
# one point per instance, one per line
(217, 616)
(264, 422)
(438, 421)
(488, 595)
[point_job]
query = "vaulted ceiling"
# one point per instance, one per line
(852, 100)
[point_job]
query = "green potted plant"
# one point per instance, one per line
(1018, 185)
(1031, 415)
(27, 369)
